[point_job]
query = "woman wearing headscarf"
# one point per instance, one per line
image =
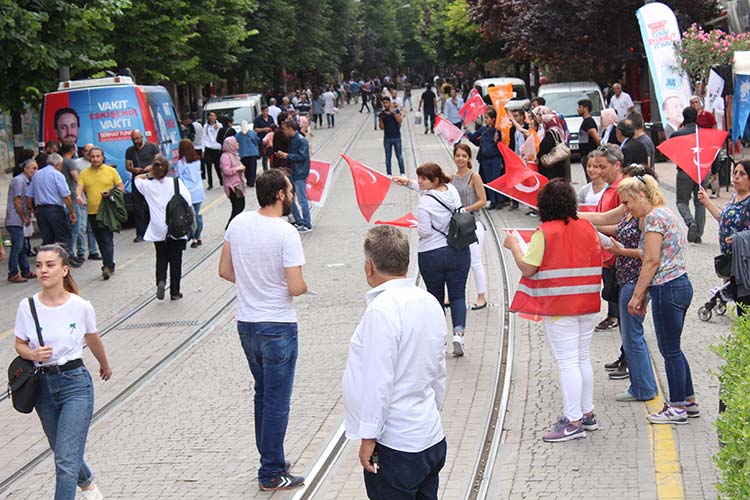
(607, 126)
(232, 171)
(553, 135)
(249, 145)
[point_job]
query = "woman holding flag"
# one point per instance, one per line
(490, 160)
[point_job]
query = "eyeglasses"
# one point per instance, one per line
(640, 178)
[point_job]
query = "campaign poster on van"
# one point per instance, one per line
(660, 32)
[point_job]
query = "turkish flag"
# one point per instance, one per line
(409, 220)
(473, 108)
(317, 182)
(370, 187)
(694, 153)
(447, 130)
(519, 182)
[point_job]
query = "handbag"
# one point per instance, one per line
(723, 265)
(23, 376)
(559, 153)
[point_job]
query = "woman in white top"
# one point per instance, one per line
(158, 189)
(65, 401)
(591, 193)
(441, 265)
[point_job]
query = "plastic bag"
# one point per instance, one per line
(418, 118)
(28, 231)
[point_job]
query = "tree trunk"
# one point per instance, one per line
(17, 129)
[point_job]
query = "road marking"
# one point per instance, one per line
(7, 333)
(667, 466)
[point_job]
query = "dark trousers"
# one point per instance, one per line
(54, 226)
(105, 240)
(447, 267)
(251, 169)
(687, 188)
(271, 351)
(365, 103)
(429, 117)
(330, 120)
(238, 205)
(169, 254)
(491, 169)
(211, 158)
(141, 215)
(406, 476)
(613, 308)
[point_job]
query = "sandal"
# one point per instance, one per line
(30, 275)
(477, 307)
(17, 278)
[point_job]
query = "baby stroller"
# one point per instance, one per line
(720, 295)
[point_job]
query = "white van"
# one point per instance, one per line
(238, 107)
(564, 97)
(518, 101)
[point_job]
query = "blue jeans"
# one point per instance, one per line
(271, 351)
(105, 239)
(17, 258)
(75, 229)
(198, 222)
(389, 144)
(406, 476)
(492, 168)
(300, 196)
(65, 404)
(642, 381)
(447, 267)
(54, 226)
(669, 304)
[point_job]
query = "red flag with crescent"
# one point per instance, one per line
(694, 153)
(317, 182)
(409, 220)
(370, 187)
(473, 108)
(519, 182)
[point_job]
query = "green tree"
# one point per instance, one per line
(381, 40)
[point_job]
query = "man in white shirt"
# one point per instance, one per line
(621, 102)
(394, 379)
(263, 257)
(273, 110)
(212, 150)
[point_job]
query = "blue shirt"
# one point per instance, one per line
(190, 174)
(485, 139)
(451, 110)
(48, 187)
(249, 144)
(299, 157)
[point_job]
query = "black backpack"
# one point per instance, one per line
(179, 214)
(462, 229)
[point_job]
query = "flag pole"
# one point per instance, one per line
(698, 148)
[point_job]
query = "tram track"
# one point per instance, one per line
(197, 334)
(478, 488)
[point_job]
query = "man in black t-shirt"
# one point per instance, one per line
(138, 160)
(428, 99)
(262, 126)
(226, 131)
(389, 121)
(588, 134)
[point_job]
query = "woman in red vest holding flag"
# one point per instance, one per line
(563, 287)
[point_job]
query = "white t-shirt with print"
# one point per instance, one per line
(261, 248)
(63, 327)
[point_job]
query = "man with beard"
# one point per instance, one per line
(138, 160)
(263, 257)
(67, 125)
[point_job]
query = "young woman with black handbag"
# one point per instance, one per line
(65, 397)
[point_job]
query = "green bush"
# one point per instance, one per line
(733, 426)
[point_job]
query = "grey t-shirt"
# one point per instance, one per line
(69, 165)
(16, 188)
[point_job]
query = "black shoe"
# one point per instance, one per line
(607, 324)
(75, 263)
(692, 232)
(620, 373)
(425, 131)
(160, 290)
(138, 239)
(106, 273)
(614, 365)
(698, 240)
(282, 481)
(176, 296)
(95, 256)
(194, 244)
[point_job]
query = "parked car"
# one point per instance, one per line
(104, 112)
(564, 97)
(238, 107)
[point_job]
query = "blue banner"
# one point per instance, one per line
(741, 109)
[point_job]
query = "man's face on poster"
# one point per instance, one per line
(673, 110)
(67, 128)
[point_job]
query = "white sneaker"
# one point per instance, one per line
(458, 345)
(94, 494)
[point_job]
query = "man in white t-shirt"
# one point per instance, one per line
(263, 257)
(621, 102)
(273, 110)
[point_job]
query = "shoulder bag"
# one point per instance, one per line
(560, 152)
(23, 376)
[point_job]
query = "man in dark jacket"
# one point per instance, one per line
(687, 187)
(632, 150)
(299, 162)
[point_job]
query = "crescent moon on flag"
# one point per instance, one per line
(528, 189)
(372, 176)
(316, 174)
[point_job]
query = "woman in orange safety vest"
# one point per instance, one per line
(561, 282)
